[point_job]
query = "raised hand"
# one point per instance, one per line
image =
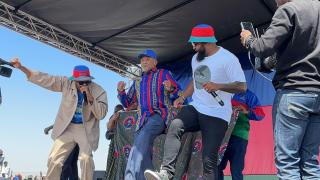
(121, 86)
(244, 36)
(167, 85)
(16, 63)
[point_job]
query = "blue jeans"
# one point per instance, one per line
(140, 158)
(296, 124)
(235, 154)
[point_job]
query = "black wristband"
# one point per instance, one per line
(249, 41)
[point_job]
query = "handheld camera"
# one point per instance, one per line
(5, 71)
(265, 65)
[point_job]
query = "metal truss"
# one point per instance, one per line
(33, 27)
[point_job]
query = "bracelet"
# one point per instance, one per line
(183, 98)
(249, 41)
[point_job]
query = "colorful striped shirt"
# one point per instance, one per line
(151, 96)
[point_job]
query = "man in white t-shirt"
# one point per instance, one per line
(204, 113)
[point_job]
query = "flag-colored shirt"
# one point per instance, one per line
(151, 95)
(77, 118)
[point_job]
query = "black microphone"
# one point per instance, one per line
(85, 96)
(217, 98)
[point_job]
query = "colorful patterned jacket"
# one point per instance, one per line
(151, 96)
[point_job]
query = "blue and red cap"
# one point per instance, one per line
(147, 53)
(203, 33)
(81, 73)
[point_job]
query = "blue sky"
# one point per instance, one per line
(27, 109)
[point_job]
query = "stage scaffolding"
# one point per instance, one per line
(35, 28)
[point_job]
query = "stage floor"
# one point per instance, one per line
(255, 177)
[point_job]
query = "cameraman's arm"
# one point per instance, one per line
(278, 31)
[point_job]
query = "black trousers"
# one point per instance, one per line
(70, 167)
(212, 130)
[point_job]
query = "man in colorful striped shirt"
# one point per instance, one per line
(154, 92)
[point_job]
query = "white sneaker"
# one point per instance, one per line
(154, 175)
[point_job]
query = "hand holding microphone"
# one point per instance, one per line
(85, 91)
(211, 87)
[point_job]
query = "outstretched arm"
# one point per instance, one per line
(53, 83)
(17, 64)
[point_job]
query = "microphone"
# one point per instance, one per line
(85, 96)
(217, 98)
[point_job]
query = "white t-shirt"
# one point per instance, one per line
(225, 68)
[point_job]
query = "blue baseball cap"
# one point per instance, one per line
(147, 53)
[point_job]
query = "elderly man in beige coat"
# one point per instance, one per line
(83, 104)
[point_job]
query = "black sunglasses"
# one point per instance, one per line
(84, 83)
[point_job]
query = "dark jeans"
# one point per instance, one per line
(70, 168)
(212, 130)
(296, 123)
(235, 154)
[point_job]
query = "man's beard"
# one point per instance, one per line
(201, 55)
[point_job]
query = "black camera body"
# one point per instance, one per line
(5, 71)
(265, 65)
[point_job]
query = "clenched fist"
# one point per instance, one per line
(167, 85)
(121, 86)
(16, 63)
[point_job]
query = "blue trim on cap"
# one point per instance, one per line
(203, 39)
(81, 68)
(148, 53)
(81, 78)
(202, 26)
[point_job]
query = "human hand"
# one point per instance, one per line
(121, 86)
(211, 87)
(167, 85)
(16, 63)
(85, 90)
(244, 35)
(178, 103)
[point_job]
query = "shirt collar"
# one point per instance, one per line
(153, 70)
